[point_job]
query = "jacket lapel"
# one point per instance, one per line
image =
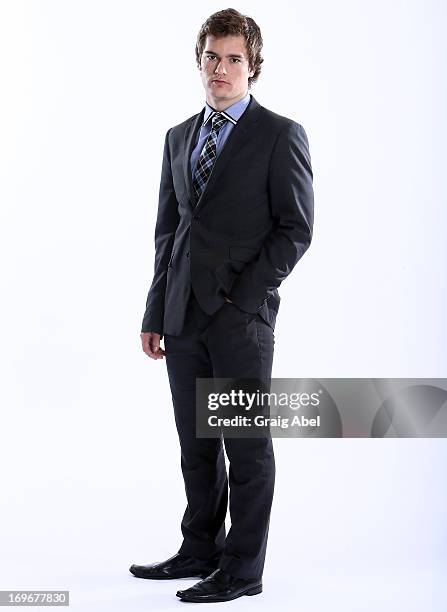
(239, 135)
(191, 136)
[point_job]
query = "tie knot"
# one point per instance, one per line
(217, 121)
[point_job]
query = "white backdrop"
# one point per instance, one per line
(89, 457)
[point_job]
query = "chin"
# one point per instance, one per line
(216, 95)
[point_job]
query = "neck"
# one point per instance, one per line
(221, 105)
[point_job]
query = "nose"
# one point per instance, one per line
(220, 68)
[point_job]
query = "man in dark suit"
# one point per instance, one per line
(235, 215)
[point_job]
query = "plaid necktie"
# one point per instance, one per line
(207, 157)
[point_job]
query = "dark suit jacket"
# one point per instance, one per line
(251, 225)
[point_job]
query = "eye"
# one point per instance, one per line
(210, 57)
(235, 59)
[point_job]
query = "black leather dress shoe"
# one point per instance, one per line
(178, 566)
(220, 586)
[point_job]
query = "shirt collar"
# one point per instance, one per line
(232, 113)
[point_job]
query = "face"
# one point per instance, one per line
(225, 70)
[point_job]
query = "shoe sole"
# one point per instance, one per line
(251, 591)
(164, 577)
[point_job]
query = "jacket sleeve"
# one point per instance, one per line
(292, 206)
(168, 219)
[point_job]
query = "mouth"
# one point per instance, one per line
(219, 82)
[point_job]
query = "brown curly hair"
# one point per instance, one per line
(230, 21)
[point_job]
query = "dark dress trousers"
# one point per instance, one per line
(244, 235)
